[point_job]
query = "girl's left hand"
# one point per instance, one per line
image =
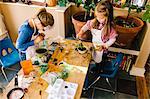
(39, 38)
(104, 47)
(98, 48)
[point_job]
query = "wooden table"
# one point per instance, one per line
(80, 63)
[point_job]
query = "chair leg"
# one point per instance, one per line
(94, 82)
(107, 90)
(107, 80)
(93, 93)
(12, 69)
(4, 74)
(115, 85)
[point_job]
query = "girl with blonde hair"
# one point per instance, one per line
(103, 33)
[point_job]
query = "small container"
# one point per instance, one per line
(51, 3)
(26, 66)
(41, 52)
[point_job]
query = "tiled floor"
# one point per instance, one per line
(106, 95)
(10, 74)
(128, 87)
(99, 94)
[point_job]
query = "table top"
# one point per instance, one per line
(79, 62)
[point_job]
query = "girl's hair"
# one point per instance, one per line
(105, 6)
(45, 17)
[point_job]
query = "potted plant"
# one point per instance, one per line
(146, 15)
(128, 26)
(62, 3)
(118, 3)
(80, 18)
(81, 48)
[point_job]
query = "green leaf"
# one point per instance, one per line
(138, 10)
(64, 74)
(133, 6)
(78, 2)
(116, 0)
(129, 10)
(146, 16)
(124, 5)
(148, 7)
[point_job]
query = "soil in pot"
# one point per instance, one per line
(41, 50)
(82, 49)
(80, 16)
(127, 31)
(125, 23)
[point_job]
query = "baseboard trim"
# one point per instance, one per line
(136, 71)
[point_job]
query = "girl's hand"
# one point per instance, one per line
(104, 47)
(101, 47)
(39, 38)
(98, 48)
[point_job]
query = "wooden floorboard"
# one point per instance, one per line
(142, 90)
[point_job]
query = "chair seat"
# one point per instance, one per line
(10, 59)
(108, 66)
(113, 64)
(109, 74)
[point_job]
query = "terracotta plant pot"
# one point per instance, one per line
(78, 22)
(126, 35)
(51, 3)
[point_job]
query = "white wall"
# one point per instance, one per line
(15, 14)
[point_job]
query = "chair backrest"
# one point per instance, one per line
(8, 53)
(5, 44)
(110, 68)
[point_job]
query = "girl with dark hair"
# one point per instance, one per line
(103, 33)
(32, 31)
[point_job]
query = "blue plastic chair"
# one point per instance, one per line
(11, 56)
(108, 70)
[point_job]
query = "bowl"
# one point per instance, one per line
(15, 93)
(41, 51)
(82, 51)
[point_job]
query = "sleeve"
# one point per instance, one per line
(23, 37)
(110, 42)
(113, 33)
(112, 38)
(86, 26)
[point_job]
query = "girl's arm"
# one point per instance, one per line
(109, 43)
(84, 29)
(112, 39)
(22, 44)
(79, 35)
